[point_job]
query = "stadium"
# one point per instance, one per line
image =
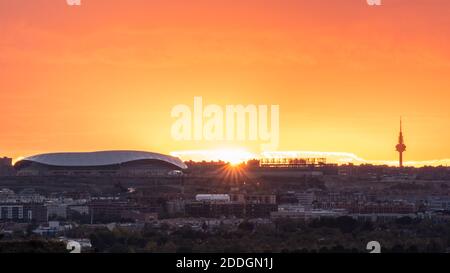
(103, 163)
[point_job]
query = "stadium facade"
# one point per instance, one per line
(103, 163)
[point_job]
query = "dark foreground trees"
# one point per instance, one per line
(339, 235)
(330, 235)
(32, 246)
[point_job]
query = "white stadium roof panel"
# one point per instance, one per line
(102, 158)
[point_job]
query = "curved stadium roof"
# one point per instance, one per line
(102, 158)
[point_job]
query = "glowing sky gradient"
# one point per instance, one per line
(106, 75)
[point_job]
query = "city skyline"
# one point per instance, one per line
(80, 79)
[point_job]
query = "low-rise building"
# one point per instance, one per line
(23, 212)
(299, 212)
(6, 168)
(439, 203)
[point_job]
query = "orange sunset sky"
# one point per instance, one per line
(105, 75)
